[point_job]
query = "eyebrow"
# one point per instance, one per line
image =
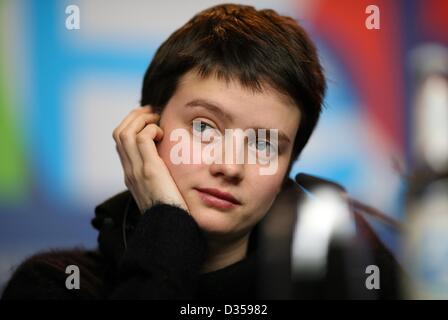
(216, 108)
(212, 107)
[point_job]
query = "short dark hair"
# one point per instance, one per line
(253, 46)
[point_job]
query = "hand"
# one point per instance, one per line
(145, 174)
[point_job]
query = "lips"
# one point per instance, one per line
(217, 198)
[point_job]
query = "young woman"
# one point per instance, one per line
(183, 230)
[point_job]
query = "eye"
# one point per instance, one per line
(262, 145)
(201, 126)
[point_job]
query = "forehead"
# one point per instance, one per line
(246, 108)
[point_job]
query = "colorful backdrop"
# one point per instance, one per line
(63, 91)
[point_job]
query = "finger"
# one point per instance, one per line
(124, 159)
(132, 115)
(125, 163)
(129, 118)
(128, 136)
(146, 143)
(118, 131)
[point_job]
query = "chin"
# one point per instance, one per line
(213, 221)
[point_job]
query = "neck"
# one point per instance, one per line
(222, 254)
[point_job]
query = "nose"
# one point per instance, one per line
(231, 160)
(232, 172)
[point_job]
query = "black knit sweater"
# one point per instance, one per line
(157, 255)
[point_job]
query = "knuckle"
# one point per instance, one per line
(141, 138)
(152, 129)
(148, 171)
(115, 134)
(124, 136)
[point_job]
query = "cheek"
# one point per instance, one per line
(264, 189)
(181, 173)
(164, 149)
(268, 189)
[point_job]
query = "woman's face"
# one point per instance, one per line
(215, 106)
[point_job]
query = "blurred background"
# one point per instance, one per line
(63, 91)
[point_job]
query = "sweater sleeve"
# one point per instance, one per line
(163, 257)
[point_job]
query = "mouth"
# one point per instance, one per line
(217, 198)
